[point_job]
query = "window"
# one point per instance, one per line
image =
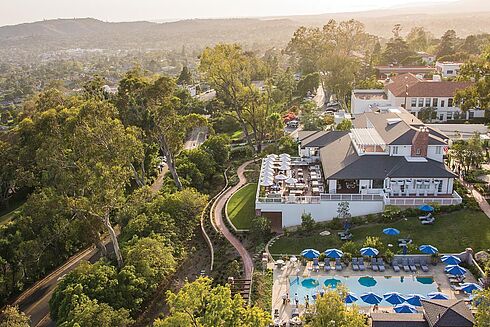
(441, 116)
(471, 114)
(395, 150)
(438, 150)
(449, 115)
(417, 152)
(413, 103)
(435, 102)
(439, 186)
(378, 183)
(449, 72)
(427, 102)
(421, 102)
(443, 103)
(450, 102)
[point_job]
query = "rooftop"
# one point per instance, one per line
(412, 86)
(373, 94)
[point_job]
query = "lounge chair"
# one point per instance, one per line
(423, 265)
(327, 265)
(338, 265)
(428, 221)
(427, 216)
(381, 264)
(406, 268)
(395, 266)
(355, 265)
(315, 265)
(346, 237)
(411, 265)
(456, 279)
(360, 262)
(374, 265)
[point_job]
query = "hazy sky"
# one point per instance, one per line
(18, 11)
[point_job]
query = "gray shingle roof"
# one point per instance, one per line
(321, 139)
(398, 320)
(447, 313)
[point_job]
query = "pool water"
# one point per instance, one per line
(358, 285)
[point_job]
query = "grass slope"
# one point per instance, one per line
(452, 232)
(241, 206)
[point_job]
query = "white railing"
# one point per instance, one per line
(455, 199)
(321, 198)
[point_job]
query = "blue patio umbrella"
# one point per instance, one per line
(371, 298)
(470, 287)
(369, 252)
(437, 296)
(414, 299)
(332, 282)
(391, 231)
(334, 253)
(405, 308)
(455, 270)
(367, 281)
(426, 208)
(310, 253)
(428, 249)
(394, 298)
(451, 260)
(350, 298)
(310, 283)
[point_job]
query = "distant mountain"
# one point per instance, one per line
(464, 16)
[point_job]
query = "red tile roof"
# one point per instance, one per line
(423, 88)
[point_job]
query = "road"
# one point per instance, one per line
(220, 224)
(35, 301)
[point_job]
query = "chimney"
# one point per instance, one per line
(420, 142)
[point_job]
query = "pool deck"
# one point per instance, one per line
(281, 283)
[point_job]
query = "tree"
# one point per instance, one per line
(418, 39)
(307, 222)
(482, 315)
(313, 122)
(396, 51)
(468, 153)
(344, 125)
(260, 228)
(330, 310)
(447, 46)
(199, 304)
(476, 95)
(13, 317)
(218, 146)
(343, 211)
(370, 83)
(185, 77)
(308, 84)
(427, 114)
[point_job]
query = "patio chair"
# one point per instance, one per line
(355, 265)
(360, 262)
(428, 221)
(381, 264)
(427, 216)
(346, 237)
(374, 265)
(338, 265)
(455, 279)
(411, 264)
(423, 265)
(395, 266)
(327, 264)
(406, 268)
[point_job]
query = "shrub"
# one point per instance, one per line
(307, 222)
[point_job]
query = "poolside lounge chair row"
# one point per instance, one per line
(409, 265)
(326, 265)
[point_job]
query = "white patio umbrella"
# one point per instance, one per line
(272, 156)
(284, 166)
(291, 181)
(280, 177)
(269, 159)
(267, 183)
(282, 155)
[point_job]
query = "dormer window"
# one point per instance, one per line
(395, 150)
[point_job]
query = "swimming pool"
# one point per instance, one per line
(359, 285)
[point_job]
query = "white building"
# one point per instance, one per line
(426, 57)
(415, 93)
(387, 158)
(448, 69)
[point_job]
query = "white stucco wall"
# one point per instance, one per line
(324, 211)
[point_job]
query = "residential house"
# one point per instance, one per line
(448, 68)
(383, 72)
(386, 158)
(416, 93)
(428, 59)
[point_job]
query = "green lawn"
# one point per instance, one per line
(451, 233)
(241, 206)
(237, 135)
(5, 217)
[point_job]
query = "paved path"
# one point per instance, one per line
(220, 224)
(484, 206)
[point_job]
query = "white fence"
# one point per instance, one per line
(455, 199)
(321, 198)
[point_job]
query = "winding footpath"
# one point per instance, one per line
(220, 224)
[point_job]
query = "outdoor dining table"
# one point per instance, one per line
(314, 183)
(315, 190)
